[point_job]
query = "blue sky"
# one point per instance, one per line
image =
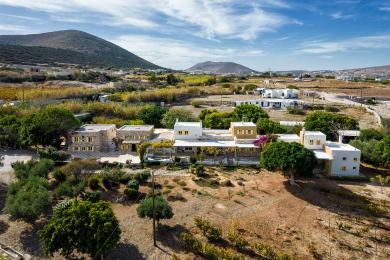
(262, 34)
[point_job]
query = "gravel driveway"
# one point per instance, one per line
(11, 156)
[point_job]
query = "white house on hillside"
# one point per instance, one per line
(346, 159)
(187, 130)
(338, 159)
(280, 93)
(276, 103)
(235, 146)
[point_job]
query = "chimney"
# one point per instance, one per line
(302, 136)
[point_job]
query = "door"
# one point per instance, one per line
(133, 148)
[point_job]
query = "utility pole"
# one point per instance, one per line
(154, 212)
(361, 95)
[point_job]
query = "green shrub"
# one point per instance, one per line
(237, 240)
(193, 160)
(268, 253)
(124, 179)
(162, 209)
(264, 251)
(209, 230)
(64, 189)
(72, 187)
(197, 170)
(133, 184)
(332, 109)
(371, 133)
(131, 193)
(81, 168)
(107, 182)
(93, 183)
(191, 243)
(28, 198)
(52, 154)
(295, 111)
(93, 196)
(329, 123)
(214, 252)
(142, 177)
(80, 226)
(195, 103)
(39, 168)
(59, 175)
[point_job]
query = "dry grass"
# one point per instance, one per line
(266, 209)
(51, 92)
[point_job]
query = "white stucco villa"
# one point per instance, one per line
(276, 103)
(211, 146)
(337, 158)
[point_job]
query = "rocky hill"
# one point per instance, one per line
(69, 46)
(210, 67)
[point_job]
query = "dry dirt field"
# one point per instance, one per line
(366, 120)
(331, 85)
(322, 217)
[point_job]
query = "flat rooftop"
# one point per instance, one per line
(353, 133)
(196, 124)
(212, 143)
(292, 123)
(95, 127)
(291, 137)
(242, 124)
(272, 100)
(340, 146)
(162, 134)
(321, 155)
(314, 133)
(136, 128)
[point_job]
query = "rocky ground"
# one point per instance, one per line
(321, 217)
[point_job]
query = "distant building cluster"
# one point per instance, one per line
(274, 98)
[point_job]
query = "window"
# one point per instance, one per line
(343, 168)
(354, 167)
(186, 132)
(90, 148)
(90, 139)
(355, 159)
(311, 141)
(180, 132)
(344, 158)
(318, 142)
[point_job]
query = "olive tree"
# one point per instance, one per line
(170, 117)
(162, 209)
(290, 158)
(87, 227)
(28, 198)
